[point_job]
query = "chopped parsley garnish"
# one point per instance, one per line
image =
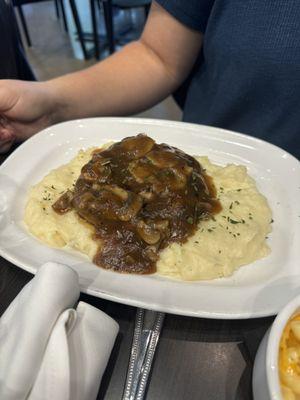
(190, 220)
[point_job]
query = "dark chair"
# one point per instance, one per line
(59, 5)
(13, 61)
(108, 17)
(125, 4)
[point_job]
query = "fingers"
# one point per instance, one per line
(7, 136)
(6, 132)
(5, 146)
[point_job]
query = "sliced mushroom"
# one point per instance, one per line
(94, 209)
(148, 234)
(117, 190)
(163, 158)
(140, 170)
(161, 225)
(64, 203)
(172, 178)
(151, 253)
(137, 146)
(87, 173)
(147, 195)
(82, 201)
(187, 170)
(102, 171)
(131, 208)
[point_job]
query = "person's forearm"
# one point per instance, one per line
(127, 82)
(137, 77)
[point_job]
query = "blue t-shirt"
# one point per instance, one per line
(247, 77)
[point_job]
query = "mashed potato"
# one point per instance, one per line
(234, 237)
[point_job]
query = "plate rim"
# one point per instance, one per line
(150, 121)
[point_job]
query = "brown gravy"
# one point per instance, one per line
(140, 196)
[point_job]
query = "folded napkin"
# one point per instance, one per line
(48, 349)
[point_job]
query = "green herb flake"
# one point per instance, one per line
(190, 220)
(232, 221)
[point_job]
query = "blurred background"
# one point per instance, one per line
(62, 36)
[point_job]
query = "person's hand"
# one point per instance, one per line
(25, 108)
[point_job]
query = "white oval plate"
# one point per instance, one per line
(256, 290)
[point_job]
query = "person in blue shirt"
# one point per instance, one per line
(234, 64)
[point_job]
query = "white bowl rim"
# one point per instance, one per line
(279, 323)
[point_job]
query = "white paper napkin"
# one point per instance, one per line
(49, 350)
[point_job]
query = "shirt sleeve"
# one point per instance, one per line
(192, 13)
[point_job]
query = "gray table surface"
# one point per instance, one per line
(196, 358)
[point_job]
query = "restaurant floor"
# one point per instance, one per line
(51, 54)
